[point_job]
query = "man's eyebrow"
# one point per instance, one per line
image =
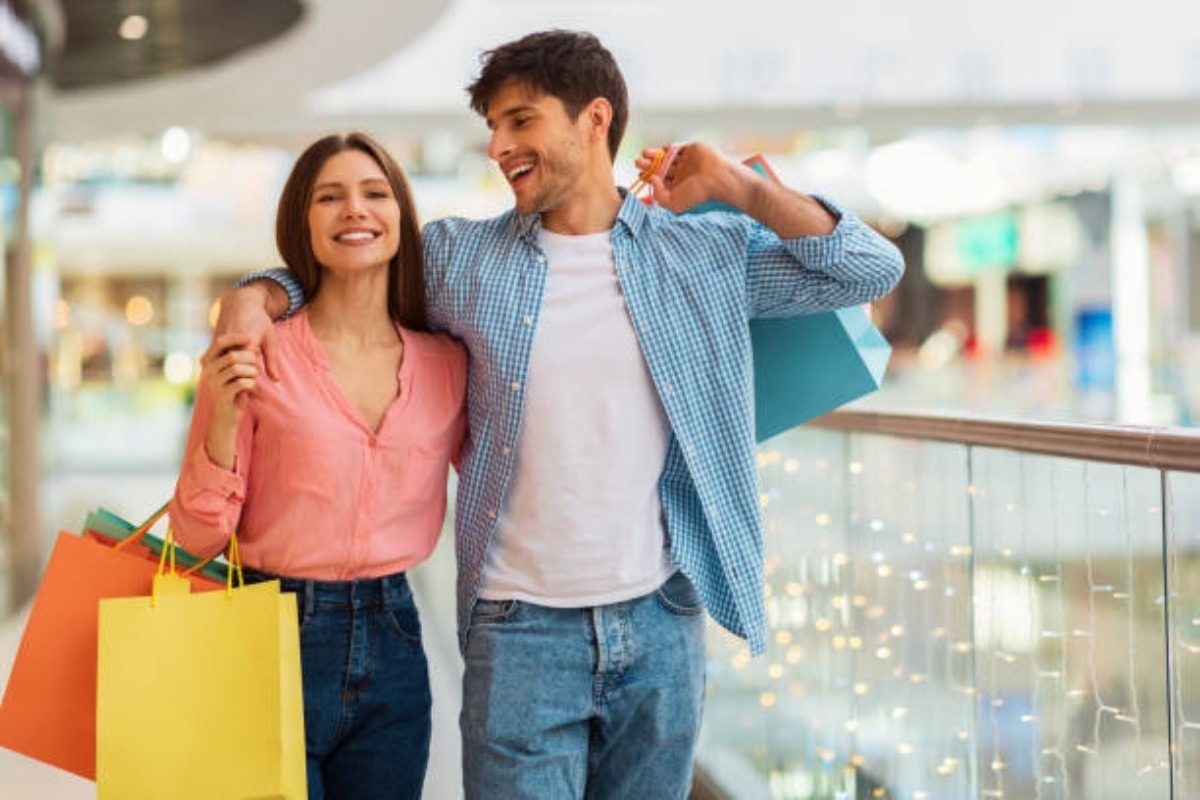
(508, 112)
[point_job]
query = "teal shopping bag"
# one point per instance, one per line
(108, 526)
(809, 365)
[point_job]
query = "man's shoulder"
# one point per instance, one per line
(658, 219)
(465, 229)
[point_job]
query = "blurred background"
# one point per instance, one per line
(1038, 163)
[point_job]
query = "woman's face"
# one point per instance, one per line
(354, 217)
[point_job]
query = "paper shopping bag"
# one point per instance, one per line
(803, 366)
(106, 526)
(49, 707)
(199, 696)
(806, 366)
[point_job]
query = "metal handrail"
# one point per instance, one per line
(1173, 449)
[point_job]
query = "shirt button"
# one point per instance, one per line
(491, 513)
(505, 450)
(528, 320)
(515, 386)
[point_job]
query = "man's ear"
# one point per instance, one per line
(599, 116)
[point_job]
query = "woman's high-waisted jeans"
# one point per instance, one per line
(366, 687)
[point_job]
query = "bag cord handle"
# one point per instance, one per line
(141, 530)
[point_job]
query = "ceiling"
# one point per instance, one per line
(178, 35)
(282, 70)
(232, 68)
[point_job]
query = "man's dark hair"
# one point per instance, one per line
(569, 65)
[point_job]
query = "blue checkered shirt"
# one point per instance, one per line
(691, 283)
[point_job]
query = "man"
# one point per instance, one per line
(607, 490)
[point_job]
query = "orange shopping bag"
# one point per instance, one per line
(49, 707)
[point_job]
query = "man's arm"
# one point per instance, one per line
(699, 173)
(250, 310)
(805, 255)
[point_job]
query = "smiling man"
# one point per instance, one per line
(607, 490)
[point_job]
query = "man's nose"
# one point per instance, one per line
(498, 146)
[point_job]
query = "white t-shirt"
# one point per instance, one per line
(582, 523)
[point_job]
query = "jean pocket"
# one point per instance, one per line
(405, 621)
(488, 612)
(679, 596)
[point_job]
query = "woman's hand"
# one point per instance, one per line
(250, 310)
(229, 371)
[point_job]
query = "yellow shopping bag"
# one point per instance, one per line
(199, 695)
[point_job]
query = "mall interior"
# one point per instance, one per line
(982, 579)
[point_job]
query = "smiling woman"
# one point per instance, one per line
(334, 475)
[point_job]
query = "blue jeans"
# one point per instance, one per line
(600, 702)
(366, 687)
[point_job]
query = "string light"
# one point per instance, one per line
(848, 640)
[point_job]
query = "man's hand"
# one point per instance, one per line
(699, 173)
(247, 312)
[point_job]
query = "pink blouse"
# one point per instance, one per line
(315, 493)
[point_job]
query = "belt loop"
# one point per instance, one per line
(392, 583)
(310, 598)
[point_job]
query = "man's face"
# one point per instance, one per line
(541, 151)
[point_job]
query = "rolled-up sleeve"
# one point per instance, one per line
(850, 265)
(208, 498)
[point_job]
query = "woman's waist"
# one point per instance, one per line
(352, 592)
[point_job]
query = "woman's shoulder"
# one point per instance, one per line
(438, 345)
(438, 353)
(291, 328)
(438, 348)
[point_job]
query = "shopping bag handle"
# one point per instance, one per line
(166, 564)
(659, 165)
(235, 563)
(141, 530)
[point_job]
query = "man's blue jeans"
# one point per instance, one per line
(600, 702)
(366, 687)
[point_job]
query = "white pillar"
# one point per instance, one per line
(991, 311)
(1131, 301)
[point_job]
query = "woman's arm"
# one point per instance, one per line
(211, 487)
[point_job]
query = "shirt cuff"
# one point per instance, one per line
(286, 280)
(829, 248)
(228, 484)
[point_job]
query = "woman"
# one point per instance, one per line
(334, 476)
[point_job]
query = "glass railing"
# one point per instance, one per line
(968, 609)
